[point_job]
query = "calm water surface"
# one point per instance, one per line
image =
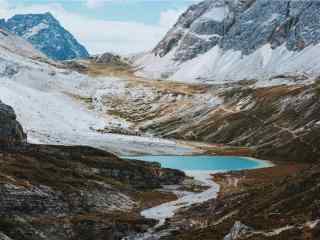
(204, 163)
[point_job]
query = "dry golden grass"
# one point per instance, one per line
(270, 93)
(126, 72)
(242, 180)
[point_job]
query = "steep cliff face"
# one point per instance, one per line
(11, 132)
(227, 40)
(47, 35)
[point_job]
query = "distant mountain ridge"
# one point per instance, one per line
(47, 35)
(228, 40)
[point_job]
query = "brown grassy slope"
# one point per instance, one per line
(265, 200)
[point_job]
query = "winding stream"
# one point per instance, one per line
(200, 168)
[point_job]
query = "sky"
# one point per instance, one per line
(119, 26)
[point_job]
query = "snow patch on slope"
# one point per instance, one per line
(156, 67)
(216, 13)
(17, 45)
(218, 66)
(35, 30)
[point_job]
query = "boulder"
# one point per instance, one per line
(11, 132)
(108, 58)
(238, 230)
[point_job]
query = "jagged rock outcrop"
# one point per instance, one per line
(227, 40)
(11, 132)
(237, 231)
(243, 25)
(4, 237)
(47, 35)
(107, 58)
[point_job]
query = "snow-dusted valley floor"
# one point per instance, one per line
(53, 116)
(57, 105)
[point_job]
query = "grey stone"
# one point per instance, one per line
(246, 26)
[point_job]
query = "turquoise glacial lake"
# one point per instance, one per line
(204, 162)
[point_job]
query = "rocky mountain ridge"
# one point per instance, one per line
(225, 40)
(47, 35)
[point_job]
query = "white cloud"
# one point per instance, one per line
(100, 35)
(95, 3)
(4, 7)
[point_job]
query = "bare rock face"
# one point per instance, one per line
(237, 231)
(229, 40)
(4, 237)
(11, 132)
(107, 58)
(242, 26)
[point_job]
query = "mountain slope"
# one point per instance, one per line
(279, 122)
(47, 35)
(14, 44)
(51, 103)
(269, 204)
(218, 41)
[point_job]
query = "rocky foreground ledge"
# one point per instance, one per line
(59, 192)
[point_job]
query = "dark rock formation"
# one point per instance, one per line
(238, 231)
(107, 58)
(11, 132)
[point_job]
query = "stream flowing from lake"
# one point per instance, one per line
(201, 169)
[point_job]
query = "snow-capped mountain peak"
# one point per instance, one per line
(47, 35)
(228, 40)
